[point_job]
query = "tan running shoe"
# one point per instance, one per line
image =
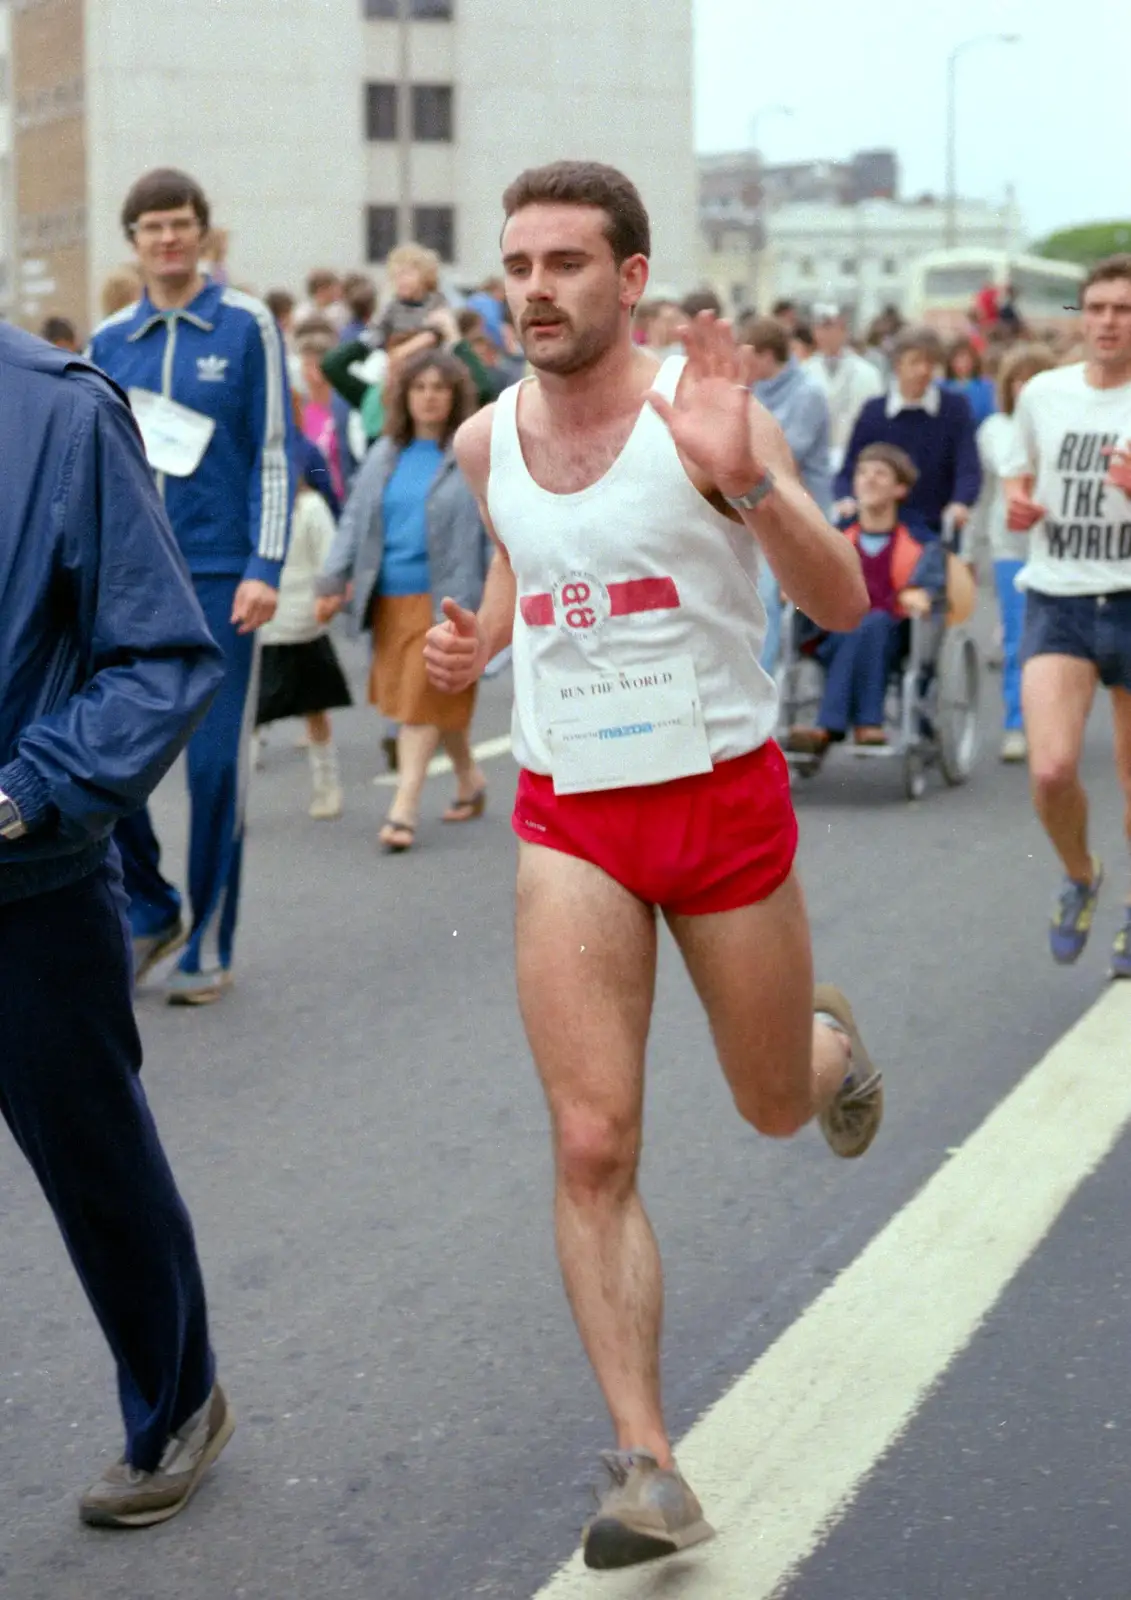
(647, 1512)
(150, 949)
(853, 1118)
(125, 1498)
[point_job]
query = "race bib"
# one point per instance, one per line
(616, 730)
(175, 437)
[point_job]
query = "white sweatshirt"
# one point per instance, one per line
(312, 533)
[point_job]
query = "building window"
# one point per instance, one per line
(414, 10)
(380, 232)
(891, 266)
(435, 226)
(432, 112)
(848, 266)
(380, 112)
(806, 266)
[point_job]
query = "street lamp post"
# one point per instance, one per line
(757, 217)
(404, 122)
(952, 124)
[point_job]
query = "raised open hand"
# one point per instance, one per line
(709, 419)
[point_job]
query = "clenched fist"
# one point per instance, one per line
(455, 651)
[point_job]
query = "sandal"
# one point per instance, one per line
(466, 810)
(391, 846)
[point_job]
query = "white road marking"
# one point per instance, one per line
(482, 752)
(779, 1458)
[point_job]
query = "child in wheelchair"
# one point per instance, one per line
(905, 579)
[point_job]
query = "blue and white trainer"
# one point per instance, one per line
(1072, 919)
(1121, 949)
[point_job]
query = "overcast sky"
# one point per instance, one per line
(1051, 115)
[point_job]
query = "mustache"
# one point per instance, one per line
(544, 317)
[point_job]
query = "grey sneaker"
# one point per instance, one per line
(154, 947)
(1072, 920)
(197, 988)
(646, 1512)
(126, 1498)
(852, 1120)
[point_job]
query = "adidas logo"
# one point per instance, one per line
(211, 369)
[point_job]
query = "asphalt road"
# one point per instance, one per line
(359, 1136)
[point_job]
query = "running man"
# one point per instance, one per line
(1069, 487)
(628, 501)
(206, 375)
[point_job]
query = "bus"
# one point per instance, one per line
(942, 284)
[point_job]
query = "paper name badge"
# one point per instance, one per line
(616, 730)
(175, 437)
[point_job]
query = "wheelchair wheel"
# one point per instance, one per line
(914, 773)
(800, 686)
(958, 693)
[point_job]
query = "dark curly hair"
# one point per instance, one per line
(588, 183)
(399, 425)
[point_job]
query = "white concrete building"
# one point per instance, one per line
(324, 130)
(854, 255)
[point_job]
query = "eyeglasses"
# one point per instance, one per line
(179, 227)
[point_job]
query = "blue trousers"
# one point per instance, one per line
(70, 1092)
(769, 591)
(1011, 608)
(217, 763)
(857, 668)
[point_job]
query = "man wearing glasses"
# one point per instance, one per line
(204, 368)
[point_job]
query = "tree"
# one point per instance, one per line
(1088, 244)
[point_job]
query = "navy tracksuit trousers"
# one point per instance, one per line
(70, 1056)
(217, 762)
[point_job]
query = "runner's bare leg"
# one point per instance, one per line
(753, 969)
(1121, 720)
(1057, 694)
(586, 952)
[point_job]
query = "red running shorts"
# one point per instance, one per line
(710, 843)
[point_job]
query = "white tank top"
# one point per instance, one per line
(636, 568)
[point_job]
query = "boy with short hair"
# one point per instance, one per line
(904, 579)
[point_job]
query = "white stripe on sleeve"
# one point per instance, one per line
(273, 499)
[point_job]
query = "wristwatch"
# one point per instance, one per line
(752, 499)
(12, 825)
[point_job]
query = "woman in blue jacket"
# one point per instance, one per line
(411, 534)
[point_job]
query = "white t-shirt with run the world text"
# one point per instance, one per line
(1064, 427)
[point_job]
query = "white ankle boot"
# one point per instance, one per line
(327, 800)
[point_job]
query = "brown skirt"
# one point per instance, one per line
(398, 680)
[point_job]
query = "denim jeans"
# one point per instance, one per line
(1011, 609)
(770, 595)
(857, 667)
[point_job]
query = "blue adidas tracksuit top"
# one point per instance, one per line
(221, 355)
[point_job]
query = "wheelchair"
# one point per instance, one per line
(931, 707)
